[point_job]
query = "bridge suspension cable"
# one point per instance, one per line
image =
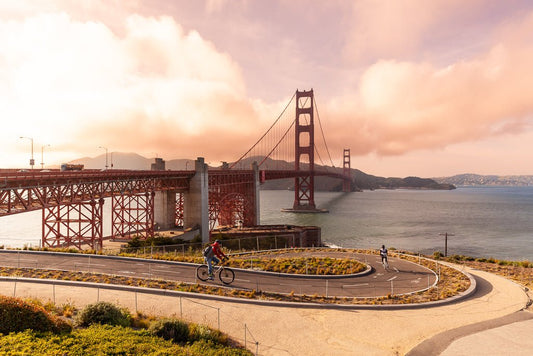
(277, 145)
(261, 139)
(323, 137)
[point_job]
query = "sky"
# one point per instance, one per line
(412, 87)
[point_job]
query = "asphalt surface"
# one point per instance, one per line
(401, 277)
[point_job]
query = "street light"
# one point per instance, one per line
(32, 161)
(42, 150)
(105, 148)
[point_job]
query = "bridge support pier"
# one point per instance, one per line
(165, 209)
(196, 201)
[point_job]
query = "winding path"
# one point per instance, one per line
(401, 277)
(491, 319)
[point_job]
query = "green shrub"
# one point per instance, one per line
(171, 329)
(107, 340)
(437, 255)
(94, 340)
(104, 313)
(17, 315)
(202, 332)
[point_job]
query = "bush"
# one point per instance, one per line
(437, 255)
(107, 340)
(201, 332)
(171, 329)
(94, 340)
(17, 315)
(104, 313)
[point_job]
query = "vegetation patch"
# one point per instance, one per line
(100, 338)
(104, 313)
(17, 315)
(518, 271)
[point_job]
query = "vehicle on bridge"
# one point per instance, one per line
(71, 167)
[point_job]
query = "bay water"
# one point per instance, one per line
(480, 221)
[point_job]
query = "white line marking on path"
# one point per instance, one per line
(165, 270)
(127, 272)
(396, 269)
(299, 285)
(89, 264)
(242, 280)
(354, 285)
(393, 278)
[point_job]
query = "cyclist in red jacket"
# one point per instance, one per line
(214, 256)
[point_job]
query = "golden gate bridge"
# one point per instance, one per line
(72, 201)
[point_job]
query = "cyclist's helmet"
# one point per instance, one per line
(218, 242)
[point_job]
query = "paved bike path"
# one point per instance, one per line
(401, 276)
(283, 330)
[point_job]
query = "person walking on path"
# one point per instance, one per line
(213, 255)
(384, 256)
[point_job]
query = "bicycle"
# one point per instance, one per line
(225, 274)
(386, 263)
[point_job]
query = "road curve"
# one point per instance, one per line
(401, 277)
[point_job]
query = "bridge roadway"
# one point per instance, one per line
(402, 276)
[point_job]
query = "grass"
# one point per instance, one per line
(140, 337)
(518, 271)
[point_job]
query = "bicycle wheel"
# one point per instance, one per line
(226, 275)
(202, 272)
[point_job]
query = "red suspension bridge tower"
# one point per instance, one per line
(304, 150)
(346, 171)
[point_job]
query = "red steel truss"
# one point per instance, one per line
(179, 209)
(72, 201)
(231, 198)
(73, 224)
(304, 196)
(20, 192)
(133, 214)
(347, 182)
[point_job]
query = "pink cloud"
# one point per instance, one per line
(401, 106)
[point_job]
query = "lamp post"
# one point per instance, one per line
(32, 161)
(105, 148)
(42, 153)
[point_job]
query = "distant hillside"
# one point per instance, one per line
(361, 180)
(476, 179)
(116, 160)
(121, 160)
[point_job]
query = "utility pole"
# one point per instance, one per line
(446, 242)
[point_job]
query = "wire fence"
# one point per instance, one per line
(236, 245)
(163, 303)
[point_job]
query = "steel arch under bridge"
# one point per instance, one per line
(233, 198)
